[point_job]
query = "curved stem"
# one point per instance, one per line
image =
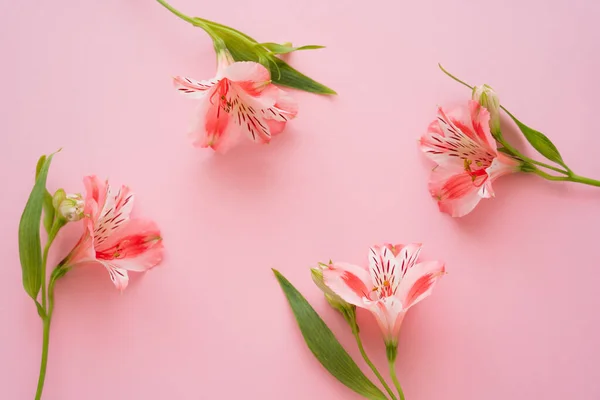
(395, 379)
(370, 363)
(570, 178)
(177, 12)
(45, 341)
(584, 180)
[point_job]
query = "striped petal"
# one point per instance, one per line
(352, 283)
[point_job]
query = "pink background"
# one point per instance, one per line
(516, 317)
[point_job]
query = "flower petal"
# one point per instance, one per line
(384, 270)
(137, 246)
(389, 313)
(212, 127)
(418, 282)
(250, 76)
(191, 87)
(284, 108)
(115, 213)
(407, 257)
(117, 275)
(455, 144)
(457, 194)
(96, 190)
(480, 121)
(352, 283)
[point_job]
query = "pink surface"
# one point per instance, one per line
(517, 315)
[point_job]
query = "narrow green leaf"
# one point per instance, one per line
(48, 211)
(290, 77)
(277, 48)
(39, 165)
(539, 141)
(30, 248)
(325, 346)
(244, 48)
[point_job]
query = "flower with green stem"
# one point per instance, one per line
(540, 142)
(110, 238)
(244, 48)
(393, 282)
(348, 311)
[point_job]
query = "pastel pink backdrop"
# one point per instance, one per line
(516, 317)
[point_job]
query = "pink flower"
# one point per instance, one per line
(240, 99)
(392, 284)
(468, 161)
(111, 237)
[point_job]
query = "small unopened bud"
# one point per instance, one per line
(68, 206)
(487, 97)
(333, 299)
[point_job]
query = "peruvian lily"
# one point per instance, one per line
(393, 283)
(113, 239)
(461, 145)
(239, 100)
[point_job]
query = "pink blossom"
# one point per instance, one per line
(467, 159)
(240, 99)
(113, 239)
(392, 283)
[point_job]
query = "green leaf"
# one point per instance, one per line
(277, 48)
(283, 74)
(243, 48)
(48, 206)
(539, 141)
(325, 346)
(48, 211)
(30, 248)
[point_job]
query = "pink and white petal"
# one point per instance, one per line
(408, 257)
(212, 127)
(384, 270)
(96, 191)
(276, 127)
(285, 107)
(351, 282)
(137, 227)
(124, 200)
(389, 314)
(449, 184)
(460, 207)
(144, 261)
(115, 213)
(191, 87)
(418, 282)
(250, 76)
(486, 190)
(502, 165)
(117, 275)
(480, 121)
(456, 194)
(255, 127)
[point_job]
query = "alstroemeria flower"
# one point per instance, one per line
(393, 283)
(240, 99)
(468, 161)
(113, 239)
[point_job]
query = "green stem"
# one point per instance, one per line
(45, 341)
(395, 379)
(370, 363)
(56, 225)
(570, 178)
(177, 12)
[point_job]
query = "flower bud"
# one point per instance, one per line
(333, 299)
(487, 97)
(68, 206)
